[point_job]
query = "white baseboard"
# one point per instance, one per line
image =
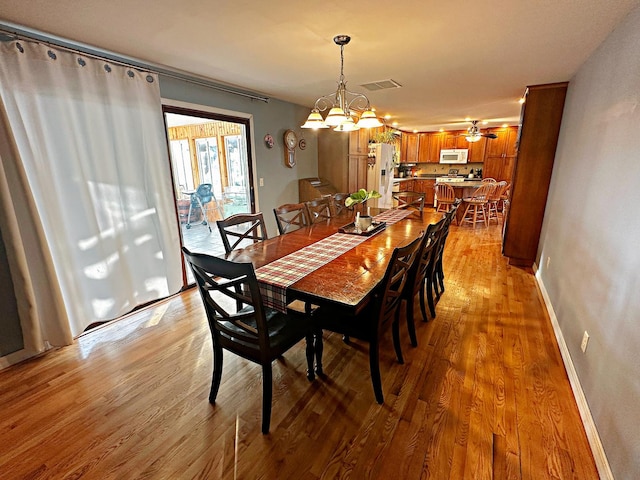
(602, 464)
(15, 357)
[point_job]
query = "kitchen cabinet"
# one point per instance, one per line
(424, 145)
(409, 148)
(407, 186)
(426, 186)
(476, 149)
(500, 153)
(540, 119)
(435, 145)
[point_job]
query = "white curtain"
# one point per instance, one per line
(87, 208)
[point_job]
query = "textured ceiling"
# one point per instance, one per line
(453, 59)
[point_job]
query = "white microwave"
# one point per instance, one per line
(458, 155)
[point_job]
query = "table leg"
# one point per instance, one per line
(318, 347)
(309, 352)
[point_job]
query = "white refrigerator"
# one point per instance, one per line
(380, 174)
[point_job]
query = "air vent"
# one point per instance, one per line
(381, 85)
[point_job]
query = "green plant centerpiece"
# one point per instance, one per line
(362, 222)
(361, 196)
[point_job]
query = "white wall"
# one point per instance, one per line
(591, 233)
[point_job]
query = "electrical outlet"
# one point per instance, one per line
(261, 182)
(585, 341)
(548, 261)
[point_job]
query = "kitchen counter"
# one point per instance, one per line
(433, 177)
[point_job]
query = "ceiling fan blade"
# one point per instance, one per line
(490, 135)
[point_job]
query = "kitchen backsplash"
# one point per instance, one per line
(436, 168)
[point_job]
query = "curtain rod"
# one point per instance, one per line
(17, 32)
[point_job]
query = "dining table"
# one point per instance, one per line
(345, 280)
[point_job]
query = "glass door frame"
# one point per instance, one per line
(214, 114)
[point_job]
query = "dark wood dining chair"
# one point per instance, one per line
(291, 217)
(338, 207)
(240, 227)
(438, 271)
(380, 313)
(254, 332)
(417, 282)
(410, 200)
(318, 210)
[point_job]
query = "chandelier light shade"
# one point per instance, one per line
(343, 105)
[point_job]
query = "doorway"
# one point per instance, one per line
(212, 174)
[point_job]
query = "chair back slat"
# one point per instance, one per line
(318, 210)
(291, 217)
(240, 227)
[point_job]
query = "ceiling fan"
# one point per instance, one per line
(474, 134)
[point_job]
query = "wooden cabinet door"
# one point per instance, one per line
(359, 142)
(436, 143)
(357, 172)
(427, 187)
(407, 186)
(449, 140)
(477, 150)
(409, 148)
(496, 146)
(424, 143)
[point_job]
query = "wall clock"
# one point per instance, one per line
(290, 143)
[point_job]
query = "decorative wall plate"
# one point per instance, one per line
(268, 140)
(302, 144)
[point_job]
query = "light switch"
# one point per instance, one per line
(261, 182)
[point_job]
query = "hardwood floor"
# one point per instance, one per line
(484, 395)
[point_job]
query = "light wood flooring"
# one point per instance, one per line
(484, 395)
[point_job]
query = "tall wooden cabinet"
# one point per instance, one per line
(500, 155)
(540, 125)
(342, 158)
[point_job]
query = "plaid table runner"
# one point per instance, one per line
(275, 277)
(392, 216)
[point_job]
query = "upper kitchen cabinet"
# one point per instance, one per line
(409, 143)
(424, 148)
(476, 149)
(540, 119)
(500, 153)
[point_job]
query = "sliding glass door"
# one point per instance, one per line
(212, 174)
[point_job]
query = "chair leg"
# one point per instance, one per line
(374, 366)
(411, 326)
(423, 308)
(217, 372)
(432, 307)
(440, 275)
(395, 330)
(267, 393)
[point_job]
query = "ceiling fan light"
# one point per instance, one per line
(335, 117)
(473, 138)
(369, 120)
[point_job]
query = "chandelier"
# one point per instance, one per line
(343, 104)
